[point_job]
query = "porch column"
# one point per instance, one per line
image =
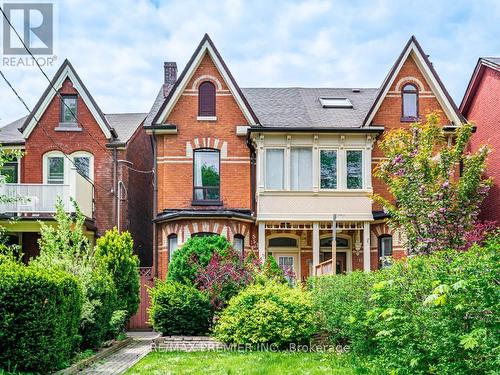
(315, 244)
(366, 247)
(262, 241)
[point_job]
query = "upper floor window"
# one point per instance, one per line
(69, 109)
(83, 162)
(55, 169)
(354, 169)
(206, 99)
(10, 171)
(206, 175)
(328, 169)
(385, 250)
(275, 158)
(410, 101)
(301, 169)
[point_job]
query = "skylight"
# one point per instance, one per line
(335, 102)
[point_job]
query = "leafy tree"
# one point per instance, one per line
(433, 203)
(116, 251)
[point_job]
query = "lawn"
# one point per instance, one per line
(248, 363)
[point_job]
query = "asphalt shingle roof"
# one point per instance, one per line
(494, 60)
(10, 134)
(300, 107)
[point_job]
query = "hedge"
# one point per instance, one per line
(39, 317)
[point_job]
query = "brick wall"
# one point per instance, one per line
(39, 143)
(485, 113)
(175, 164)
(389, 113)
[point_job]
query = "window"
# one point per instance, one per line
(327, 242)
(82, 164)
(172, 246)
(10, 172)
(328, 169)
(203, 234)
(282, 242)
(301, 169)
(206, 99)
(354, 169)
(385, 250)
(206, 175)
(239, 243)
(335, 103)
(69, 109)
(55, 170)
(410, 101)
(274, 168)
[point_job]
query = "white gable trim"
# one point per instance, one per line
(189, 74)
(430, 78)
(66, 73)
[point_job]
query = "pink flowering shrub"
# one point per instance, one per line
(479, 232)
(434, 204)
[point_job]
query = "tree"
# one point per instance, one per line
(434, 204)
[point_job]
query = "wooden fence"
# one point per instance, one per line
(139, 322)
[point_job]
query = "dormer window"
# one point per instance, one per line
(206, 101)
(69, 109)
(409, 96)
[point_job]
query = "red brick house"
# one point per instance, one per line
(74, 151)
(481, 105)
(270, 167)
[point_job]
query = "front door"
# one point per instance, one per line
(341, 262)
(287, 264)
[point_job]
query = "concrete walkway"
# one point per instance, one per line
(126, 357)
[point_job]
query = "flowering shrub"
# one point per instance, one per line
(477, 235)
(432, 204)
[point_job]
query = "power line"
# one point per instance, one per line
(59, 95)
(47, 134)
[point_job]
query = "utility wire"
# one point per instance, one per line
(59, 95)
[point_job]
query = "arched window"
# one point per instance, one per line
(206, 99)
(54, 168)
(84, 164)
(172, 246)
(239, 243)
(410, 102)
(282, 242)
(206, 176)
(203, 234)
(385, 250)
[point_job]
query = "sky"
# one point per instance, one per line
(118, 47)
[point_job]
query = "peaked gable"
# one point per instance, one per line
(66, 71)
(413, 50)
(206, 47)
(483, 63)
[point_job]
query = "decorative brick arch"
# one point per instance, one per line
(204, 78)
(410, 79)
(206, 142)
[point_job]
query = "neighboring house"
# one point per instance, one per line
(74, 151)
(481, 105)
(269, 167)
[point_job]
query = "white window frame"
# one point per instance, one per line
(363, 161)
(339, 175)
(289, 164)
(284, 167)
(170, 251)
(83, 154)
(45, 166)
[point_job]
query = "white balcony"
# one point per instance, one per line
(38, 199)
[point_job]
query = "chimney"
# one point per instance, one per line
(170, 70)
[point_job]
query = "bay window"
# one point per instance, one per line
(328, 169)
(301, 169)
(274, 168)
(354, 169)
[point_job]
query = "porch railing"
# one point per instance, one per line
(325, 268)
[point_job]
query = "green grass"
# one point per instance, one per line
(267, 363)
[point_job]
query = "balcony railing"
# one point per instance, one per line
(325, 268)
(42, 198)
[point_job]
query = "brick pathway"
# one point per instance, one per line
(126, 357)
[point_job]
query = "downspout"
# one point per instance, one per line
(115, 186)
(155, 195)
(252, 174)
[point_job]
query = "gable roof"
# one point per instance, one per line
(295, 107)
(10, 134)
(65, 71)
(413, 47)
(206, 46)
(482, 64)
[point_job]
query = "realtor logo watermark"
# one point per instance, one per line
(33, 25)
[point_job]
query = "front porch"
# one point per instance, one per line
(307, 248)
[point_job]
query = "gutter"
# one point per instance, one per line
(155, 198)
(288, 129)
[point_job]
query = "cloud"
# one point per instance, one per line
(118, 47)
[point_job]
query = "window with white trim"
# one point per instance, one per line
(275, 158)
(354, 169)
(328, 169)
(239, 243)
(301, 169)
(385, 250)
(172, 246)
(55, 169)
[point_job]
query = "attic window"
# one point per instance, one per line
(335, 103)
